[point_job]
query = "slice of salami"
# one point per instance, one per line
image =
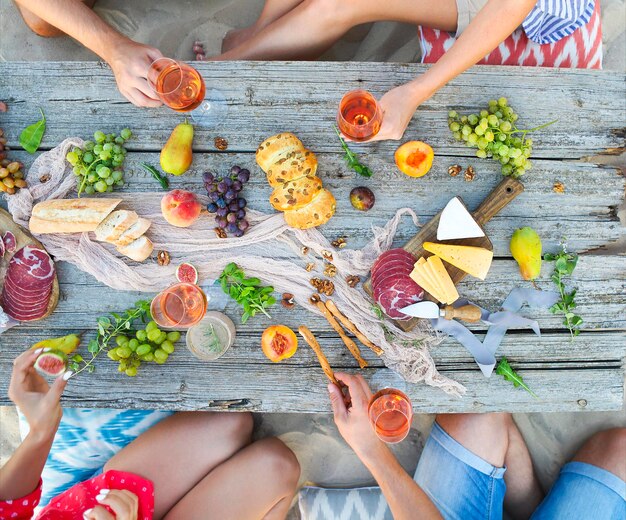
(402, 293)
(9, 241)
(388, 256)
(389, 282)
(390, 279)
(399, 267)
(12, 286)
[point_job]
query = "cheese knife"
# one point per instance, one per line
(431, 310)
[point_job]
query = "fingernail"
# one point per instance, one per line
(67, 375)
(38, 351)
(47, 349)
(86, 513)
(103, 494)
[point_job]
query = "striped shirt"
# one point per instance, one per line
(551, 20)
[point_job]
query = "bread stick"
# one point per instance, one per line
(330, 305)
(312, 342)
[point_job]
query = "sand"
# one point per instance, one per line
(172, 27)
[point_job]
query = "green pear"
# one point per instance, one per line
(176, 155)
(526, 249)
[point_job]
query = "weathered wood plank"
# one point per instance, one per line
(243, 380)
(601, 298)
(586, 214)
(302, 97)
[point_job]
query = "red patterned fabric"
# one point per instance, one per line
(580, 50)
(71, 504)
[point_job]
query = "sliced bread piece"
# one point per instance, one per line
(134, 232)
(138, 250)
(110, 229)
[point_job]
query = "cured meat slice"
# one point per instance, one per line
(387, 280)
(28, 284)
(396, 266)
(9, 241)
(387, 283)
(392, 254)
(400, 294)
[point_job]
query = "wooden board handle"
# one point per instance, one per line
(469, 313)
(503, 193)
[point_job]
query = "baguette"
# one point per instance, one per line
(134, 232)
(116, 223)
(70, 215)
(138, 250)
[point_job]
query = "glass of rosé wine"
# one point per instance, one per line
(390, 412)
(359, 115)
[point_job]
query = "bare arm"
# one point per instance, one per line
(129, 60)
(405, 497)
(492, 25)
(41, 406)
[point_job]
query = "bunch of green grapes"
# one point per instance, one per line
(494, 134)
(98, 164)
(149, 345)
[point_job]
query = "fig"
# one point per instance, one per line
(187, 273)
(414, 158)
(51, 363)
(362, 198)
(279, 342)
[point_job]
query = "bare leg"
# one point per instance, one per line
(257, 482)
(272, 11)
(181, 450)
(314, 25)
(495, 438)
(39, 26)
(607, 450)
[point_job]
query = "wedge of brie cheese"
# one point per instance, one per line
(456, 222)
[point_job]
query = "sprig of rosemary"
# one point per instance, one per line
(108, 329)
(506, 371)
(247, 292)
(352, 159)
(564, 265)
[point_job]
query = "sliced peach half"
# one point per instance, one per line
(279, 342)
(414, 158)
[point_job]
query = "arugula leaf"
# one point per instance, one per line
(504, 369)
(31, 136)
(352, 159)
(247, 292)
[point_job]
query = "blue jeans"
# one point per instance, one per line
(465, 487)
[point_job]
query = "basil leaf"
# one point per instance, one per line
(31, 136)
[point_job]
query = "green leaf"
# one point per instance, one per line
(352, 159)
(31, 136)
(93, 346)
(504, 369)
(244, 317)
(91, 368)
(77, 358)
(575, 321)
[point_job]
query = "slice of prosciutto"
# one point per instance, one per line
(28, 284)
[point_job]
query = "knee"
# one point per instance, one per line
(456, 421)
(237, 426)
(337, 12)
(607, 450)
(280, 462)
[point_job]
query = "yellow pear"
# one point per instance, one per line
(176, 155)
(526, 249)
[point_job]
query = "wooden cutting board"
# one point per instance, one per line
(503, 193)
(24, 238)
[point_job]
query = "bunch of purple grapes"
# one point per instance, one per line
(225, 200)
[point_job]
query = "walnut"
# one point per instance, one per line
(454, 170)
(309, 267)
(221, 144)
(288, 301)
(339, 243)
(163, 258)
(221, 233)
(327, 255)
(352, 280)
(558, 187)
(315, 298)
(323, 286)
(304, 250)
(470, 173)
(44, 178)
(330, 270)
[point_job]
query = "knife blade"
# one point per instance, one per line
(430, 310)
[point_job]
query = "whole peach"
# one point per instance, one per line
(180, 208)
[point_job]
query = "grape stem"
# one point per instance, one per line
(82, 184)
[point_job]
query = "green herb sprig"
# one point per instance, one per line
(352, 159)
(564, 265)
(108, 329)
(163, 180)
(31, 136)
(247, 292)
(504, 369)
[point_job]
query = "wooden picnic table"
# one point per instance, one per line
(265, 98)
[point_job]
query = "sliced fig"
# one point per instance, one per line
(187, 273)
(51, 363)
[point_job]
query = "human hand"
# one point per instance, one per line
(124, 504)
(38, 401)
(353, 423)
(130, 62)
(398, 106)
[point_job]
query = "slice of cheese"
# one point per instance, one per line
(450, 294)
(417, 275)
(456, 222)
(473, 260)
(432, 275)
